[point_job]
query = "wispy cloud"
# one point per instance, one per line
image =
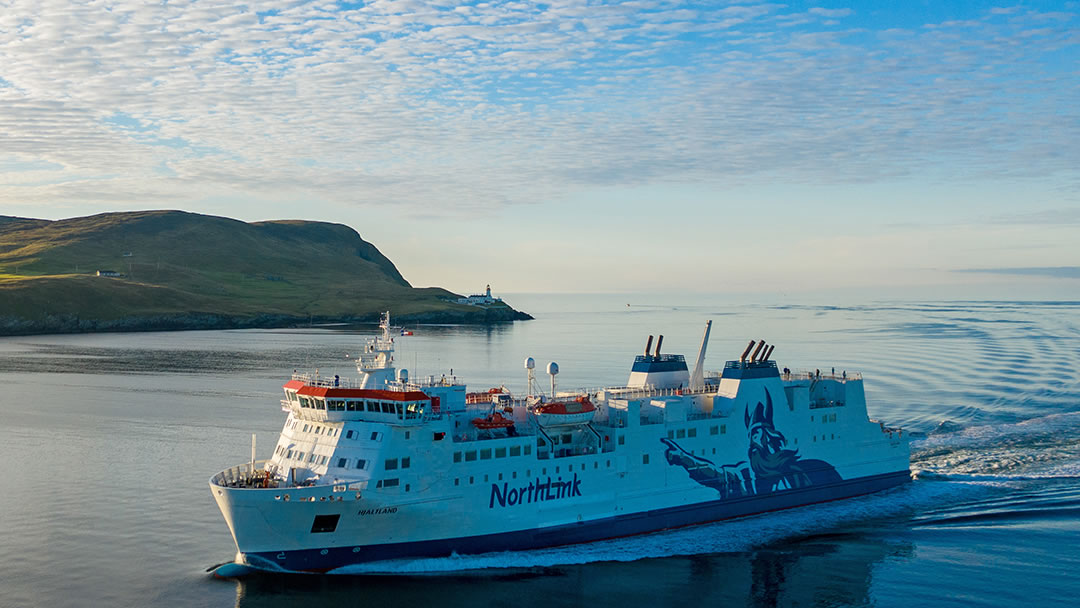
(476, 106)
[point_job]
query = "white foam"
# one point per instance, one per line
(1039, 448)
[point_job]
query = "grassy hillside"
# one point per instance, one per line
(178, 265)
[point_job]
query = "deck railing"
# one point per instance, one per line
(247, 475)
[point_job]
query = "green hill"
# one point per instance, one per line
(183, 270)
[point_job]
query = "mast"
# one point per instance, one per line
(697, 379)
(376, 363)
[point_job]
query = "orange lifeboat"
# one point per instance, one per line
(492, 421)
(563, 413)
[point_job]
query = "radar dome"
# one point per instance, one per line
(553, 368)
(529, 363)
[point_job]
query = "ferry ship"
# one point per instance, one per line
(386, 466)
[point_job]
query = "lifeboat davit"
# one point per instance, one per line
(492, 421)
(563, 413)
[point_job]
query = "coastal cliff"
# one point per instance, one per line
(166, 270)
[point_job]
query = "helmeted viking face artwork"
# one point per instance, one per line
(770, 465)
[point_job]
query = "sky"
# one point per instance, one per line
(836, 148)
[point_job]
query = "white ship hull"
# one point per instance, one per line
(650, 459)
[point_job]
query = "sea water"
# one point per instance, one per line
(107, 442)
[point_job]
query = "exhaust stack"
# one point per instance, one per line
(742, 357)
(757, 350)
(768, 353)
(648, 345)
(659, 341)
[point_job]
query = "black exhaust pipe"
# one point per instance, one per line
(742, 357)
(756, 351)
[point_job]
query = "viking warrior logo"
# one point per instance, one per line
(774, 466)
(770, 466)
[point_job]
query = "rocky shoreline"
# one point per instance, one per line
(72, 324)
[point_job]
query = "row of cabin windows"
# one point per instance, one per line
(375, 435)
(312, 458)
(407, 411)
(831, 436)
(392, 463)
(486, 453)
(318, 430)
(543, 471)
(826, 418)
(343, 463)
(692, 432)
(645, 457)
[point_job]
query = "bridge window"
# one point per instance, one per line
(485, 454)
(691, 432)
(723, 429)
(681, 433)
(515, 450)
(457, 456)
(470, 456)
(528, 450)
(500, 452)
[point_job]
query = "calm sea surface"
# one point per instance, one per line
(107, 442)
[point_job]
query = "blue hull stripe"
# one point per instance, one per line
(314, 560)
